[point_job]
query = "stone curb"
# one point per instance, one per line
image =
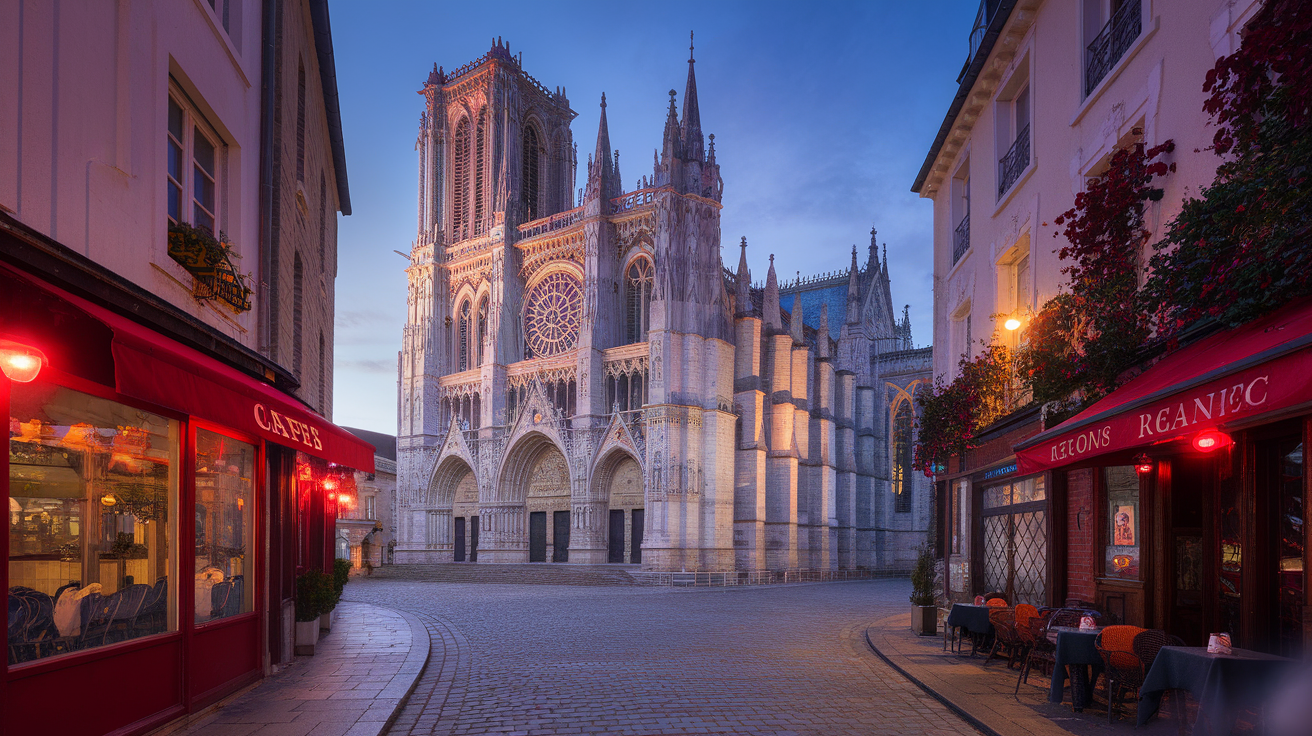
(402, 685)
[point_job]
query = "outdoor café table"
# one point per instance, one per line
(1074, 649)
(974, 619)
(1221, 683)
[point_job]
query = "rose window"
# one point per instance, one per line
(552, 315)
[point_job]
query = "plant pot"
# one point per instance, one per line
(327, 620)
(307, 635)
(924, 620)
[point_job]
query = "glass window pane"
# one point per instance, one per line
(997, 496)
(175, 160)
(91, 536)
(1121, 558)
(202, 219)
(175, 119)
(225, 491)
(204, 152)
(175, 202)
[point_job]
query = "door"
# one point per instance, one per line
(537, 536)
(615, 543)
(1015, 537)
(1280, 580)
(635, 556)
(1190, 493)
(473, 539)
(460, 539)
(560, 537)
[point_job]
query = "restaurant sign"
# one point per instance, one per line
(1278, 384)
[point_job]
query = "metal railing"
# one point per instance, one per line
(1014, 162)
(757, 577)
(1111, 44)
(961, 239)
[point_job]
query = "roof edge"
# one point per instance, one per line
(323, 47)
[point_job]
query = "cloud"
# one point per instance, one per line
(367, 366)
(362, 318)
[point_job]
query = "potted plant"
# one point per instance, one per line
(341, 573)
(924, 612)
(314, 596)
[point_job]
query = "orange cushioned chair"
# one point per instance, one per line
(1123, 668)
(996, 602)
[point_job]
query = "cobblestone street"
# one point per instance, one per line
(557, 660)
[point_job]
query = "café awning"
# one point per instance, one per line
(155, 368)
(1259, 369)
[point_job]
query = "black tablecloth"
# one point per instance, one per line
(1222, 684)
(1075, 649)
(974, 619)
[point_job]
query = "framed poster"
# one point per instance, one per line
(1123, 525)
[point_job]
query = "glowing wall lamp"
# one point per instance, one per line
(1143, 465)
(1211, 439)
(20, 362)
(1012, 324)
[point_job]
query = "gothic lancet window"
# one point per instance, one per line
(463, 336)
(480, 190)
(482, 331)
(902, 457)
(529, 181)
(638, 283)
(460, 175)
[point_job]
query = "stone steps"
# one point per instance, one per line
(511, 574)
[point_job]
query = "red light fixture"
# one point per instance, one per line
(20, 363)
(329, 485)
(332, 496)
(1143, 465)
(1211, 439)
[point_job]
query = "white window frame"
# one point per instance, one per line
(194, 123)
(1007, 126)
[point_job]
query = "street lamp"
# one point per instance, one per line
(1012, 324)
(20, 363)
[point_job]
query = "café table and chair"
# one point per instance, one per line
(971, 620)
(1223, 682)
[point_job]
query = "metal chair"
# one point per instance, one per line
(122, 623)
(1123, 669)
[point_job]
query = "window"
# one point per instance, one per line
(960, 210)
(1110, 28)
(300, 122)
(371, 510)
(194, 158)
(529, 181)
(1012, 121)
(225, 494)
(638, 282)
(298, 293)
(92, 522)
(460, 175)
(1016, 540)
(228, 14)
(1122, 537)
(480, 150)
(1013, 274)
(481, 332)
(463, 336)
(901, 465)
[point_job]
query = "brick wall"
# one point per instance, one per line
(1080, 537)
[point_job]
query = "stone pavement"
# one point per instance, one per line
(532, 659)
(352, 686)
(986, 695)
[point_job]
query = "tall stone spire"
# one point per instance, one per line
(872, 260)
(822, 333)
(601, 169)
(691, 128)
(771, 307)
(853, 292)
(743, 294)
(795, 319)
(671, 147)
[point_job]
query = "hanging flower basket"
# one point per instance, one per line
(208, 259)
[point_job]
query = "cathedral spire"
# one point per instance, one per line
(671, 147)
(853, 292)
(601, 168)
(772, 319)
(822, 333)
(795, 319)
(691, 132)
(743, 294)
(872, 260)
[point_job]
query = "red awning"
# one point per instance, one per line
(1238, 375)
(162, 371)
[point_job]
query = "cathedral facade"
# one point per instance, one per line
(582, 379)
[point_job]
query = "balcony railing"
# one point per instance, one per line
(961, 239)
(1014, 162)
(1111, 44)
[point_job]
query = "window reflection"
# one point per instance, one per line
(91, 482)
(225, 488)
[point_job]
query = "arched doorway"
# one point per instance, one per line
(453, 517)
(619, 477)
(528, 519)
(547, 500)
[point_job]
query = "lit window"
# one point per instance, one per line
(902, 452)
(225, 492)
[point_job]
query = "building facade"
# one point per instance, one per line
(170, 175)
(365, 519)
(583, 380)
(1050, 91)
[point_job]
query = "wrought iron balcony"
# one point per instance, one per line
(961, 239)
(1112, 42)
(1014, 162)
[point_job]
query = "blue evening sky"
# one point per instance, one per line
(822, 113)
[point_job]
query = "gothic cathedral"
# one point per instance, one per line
(582, 380)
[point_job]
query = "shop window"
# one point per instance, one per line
(1122, 541)
(92, 533)
(1015, 532)
(225, 491)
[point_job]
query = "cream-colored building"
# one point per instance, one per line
(1050, 90)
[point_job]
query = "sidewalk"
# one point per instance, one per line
(353, 686)
(986, 696)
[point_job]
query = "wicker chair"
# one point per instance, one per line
(1035, 646)
(1004, 634)
(996, 602)
(1123, 669)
